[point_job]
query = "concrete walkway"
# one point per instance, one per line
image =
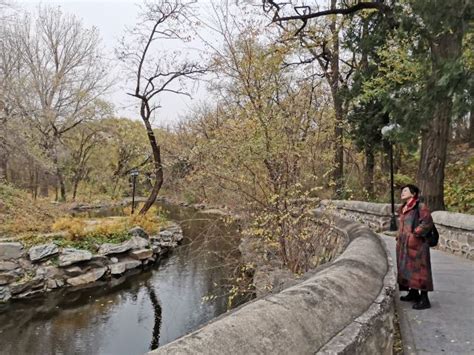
(448, 327)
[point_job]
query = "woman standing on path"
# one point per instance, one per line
(413, 251)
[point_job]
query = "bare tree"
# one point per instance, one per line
(322, 43)
(162, 20)
(64, 73)
(11, 139)
(303, 13)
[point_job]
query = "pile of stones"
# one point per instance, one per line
(29, 272)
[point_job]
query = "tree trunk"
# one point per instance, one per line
(35, 195)
(158, 168)
(338, 172)
(3, 166)
(44, 184)
(74, 189)
(434, 143)
(445, 48)
(385, 158)
(369, 171)
(62, 186)
(471, 127)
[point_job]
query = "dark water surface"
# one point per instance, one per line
(137, 313)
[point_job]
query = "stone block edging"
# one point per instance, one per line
(316, 315)
(47, 267)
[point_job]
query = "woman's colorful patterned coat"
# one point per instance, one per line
(413, 251)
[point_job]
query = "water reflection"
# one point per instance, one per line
(155, 339)
(133, 315)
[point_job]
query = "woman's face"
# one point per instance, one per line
(406, 194)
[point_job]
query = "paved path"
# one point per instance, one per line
(448, 327)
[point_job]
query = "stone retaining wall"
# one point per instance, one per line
(456, 230)
(43, 268)
(456, 233)
(345, 307)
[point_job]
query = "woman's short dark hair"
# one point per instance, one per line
(413, 189)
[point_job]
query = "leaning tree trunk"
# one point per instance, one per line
(157, 165)
(445, 48)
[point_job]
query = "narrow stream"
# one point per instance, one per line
(137, 313)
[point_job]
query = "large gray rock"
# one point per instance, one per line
(122, 266)
(5, 294)
(8, 265)
(110, 248)
(33, 284)
(98, 261)
(138, 232)
(115, 248)
(141, 254)
(7, 277)
(172, 233)
(165, 235)
(26, 264)
(10, 251)
(39, 252)
(48, 272)
(166, 245)
(71, 256)
(139, 243)
(89, 277)
(133, 243)
(29, 293)
(52, 283)
(73, 271)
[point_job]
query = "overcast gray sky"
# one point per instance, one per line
(111, 17)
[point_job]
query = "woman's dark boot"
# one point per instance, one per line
(424, 301)
(412, 296)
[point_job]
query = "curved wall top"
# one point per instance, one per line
(312, 315)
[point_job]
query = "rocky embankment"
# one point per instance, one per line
(42, 268)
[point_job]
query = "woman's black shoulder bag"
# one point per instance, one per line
(432, 236)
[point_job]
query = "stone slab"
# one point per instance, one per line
(8, 266)
(141, 254)
(122, 266)
(42, 251)
(11, 250)
(89, 277)
(71, 256)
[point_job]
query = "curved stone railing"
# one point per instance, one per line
(345, 307)
(456, 230)
(375, 215)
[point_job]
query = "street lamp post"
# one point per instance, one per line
(387, 132)
(134, 174)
